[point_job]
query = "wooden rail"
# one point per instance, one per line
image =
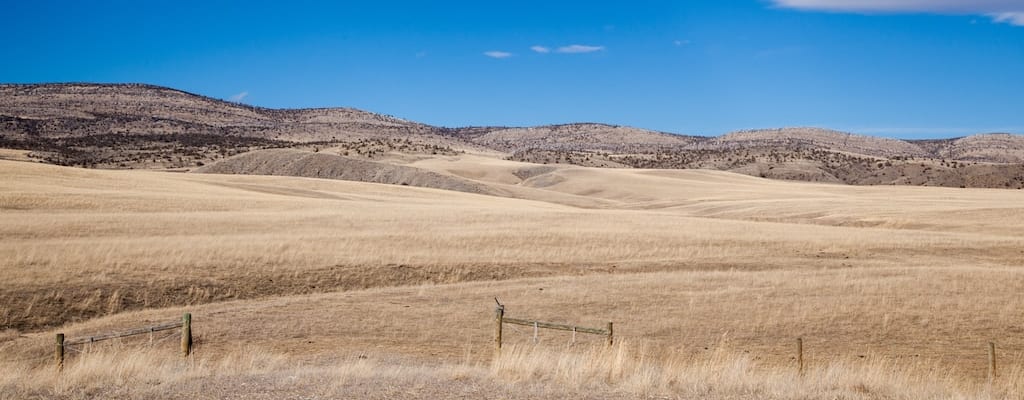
(186, 337)
(499, 319)
(800, 356)
(130, 332)
(991, 361)
(550, 325)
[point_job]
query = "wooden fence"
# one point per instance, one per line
(186, 337)
(499, 316)
(991, 358)
(500, 319)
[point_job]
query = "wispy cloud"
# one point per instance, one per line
(239, 97)
(681, 42)
(1002, 11)
(497, 54)
(579, 48)
(540, 49)
(1012, 18)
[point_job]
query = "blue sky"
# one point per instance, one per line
(901, 68)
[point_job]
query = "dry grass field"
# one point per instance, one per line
(308, 288)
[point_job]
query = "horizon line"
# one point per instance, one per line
(886, 132)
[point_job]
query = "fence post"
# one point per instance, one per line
(991, 361)
(186, 335)
(499, 316)
(58, 352)
(800, 356)
(611, 334)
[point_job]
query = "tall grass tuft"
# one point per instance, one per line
(96, 372)
(724, 375)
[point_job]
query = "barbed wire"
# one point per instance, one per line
(84, 348)
(72, 348)
(168, 336)
(534, 335)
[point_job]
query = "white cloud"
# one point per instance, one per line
(540, 49)
(945, 6)
(497, 54)
(1012, 18)
(1004, 11)
(239, 97)
(579, 48)
(681, 42)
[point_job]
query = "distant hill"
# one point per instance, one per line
(74, 110)
(145, 126)
(817, 138)
(989, 147)
(579, 137)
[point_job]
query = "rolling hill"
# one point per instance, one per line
(289, 162)
(122, 126)
(358, 249)
(304, 288)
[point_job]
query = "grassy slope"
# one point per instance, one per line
(681, 260)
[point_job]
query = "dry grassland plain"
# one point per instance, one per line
(318, 288)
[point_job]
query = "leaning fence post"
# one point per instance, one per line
(800, 356)
(611, 334)
(991, 361)
(58, 352)
(499, 316)
(186, 335)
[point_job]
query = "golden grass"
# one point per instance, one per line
(726, 375)
(117, 370)
(522, 371)
(916, 322)
(882, 282)
(14, 155)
